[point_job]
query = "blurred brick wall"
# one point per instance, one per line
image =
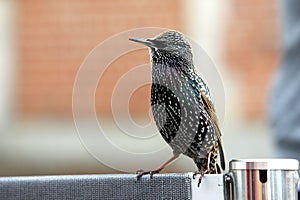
(54, 36)
(251, 52)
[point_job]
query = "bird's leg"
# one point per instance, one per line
(206, 171)
(141, 172)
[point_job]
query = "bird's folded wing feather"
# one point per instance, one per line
(210, 109)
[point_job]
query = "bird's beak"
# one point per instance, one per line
(144, 41)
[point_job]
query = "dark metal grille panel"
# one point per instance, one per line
(118, 186)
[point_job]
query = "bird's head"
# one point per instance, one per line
(170, 44)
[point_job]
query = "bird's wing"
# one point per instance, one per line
(203, 94)
(210, 109)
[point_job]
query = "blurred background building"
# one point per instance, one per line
(43, 44)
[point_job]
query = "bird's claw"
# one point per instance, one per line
(194, 175)
(141, 173)
(154, 172)
(201, 176)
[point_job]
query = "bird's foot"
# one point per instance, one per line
(201, 175)
(141, 173)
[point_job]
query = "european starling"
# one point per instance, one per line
(181, 104)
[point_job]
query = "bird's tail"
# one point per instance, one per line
(221, 153)
(212, 165)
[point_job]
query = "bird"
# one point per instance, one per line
(181, 104)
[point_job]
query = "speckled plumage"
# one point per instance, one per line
(181, 103)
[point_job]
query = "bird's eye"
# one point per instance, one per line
(159, 44)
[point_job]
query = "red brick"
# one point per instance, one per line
(56, 35)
